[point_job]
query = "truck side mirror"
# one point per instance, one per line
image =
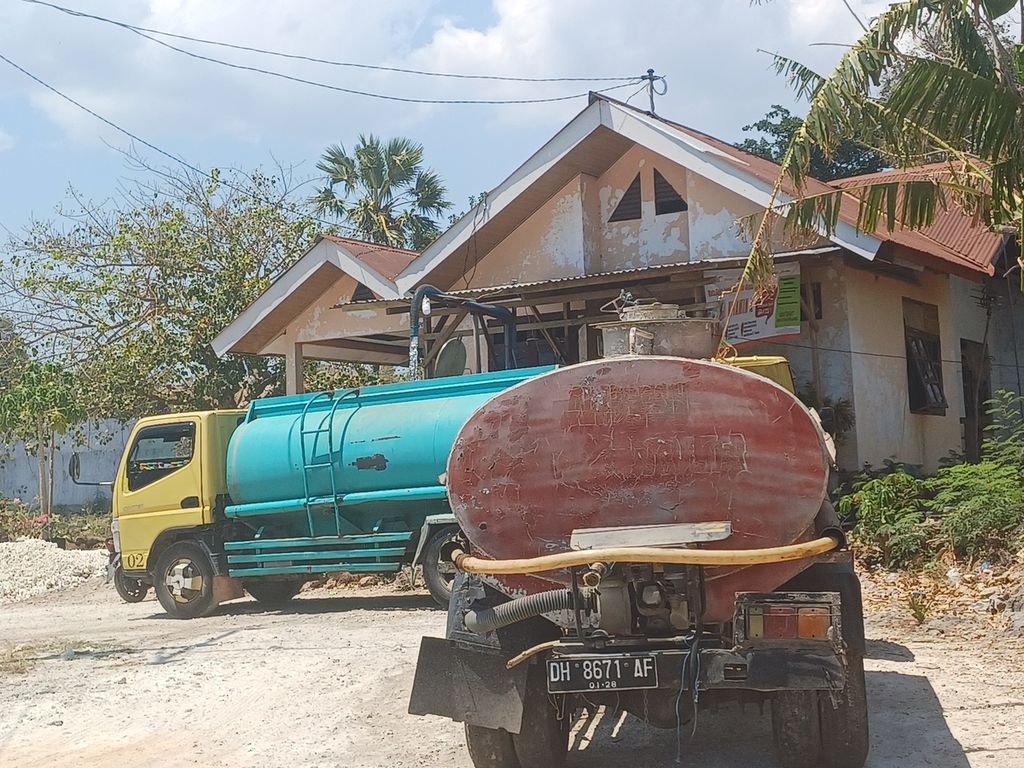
(828, 419)
(75, 466)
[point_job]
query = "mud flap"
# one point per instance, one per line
(467, 686)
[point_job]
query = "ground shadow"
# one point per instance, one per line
(313, 605)
(908, 729)
(339, 604)
(888, 651)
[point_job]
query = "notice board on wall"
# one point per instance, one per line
(776, 315)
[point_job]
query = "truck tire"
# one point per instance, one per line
(439, 574)
(183, 581)
(543, 738)
(129, 589)
(844, 726)
(490, 748)
(270, 592)
(796, 729)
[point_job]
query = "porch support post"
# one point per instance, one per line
(294, 382)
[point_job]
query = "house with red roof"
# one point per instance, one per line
(904, 333)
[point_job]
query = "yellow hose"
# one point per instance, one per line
(470, 564)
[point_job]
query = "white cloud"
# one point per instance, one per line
(6, 141)
(708, 51)
(718, 80)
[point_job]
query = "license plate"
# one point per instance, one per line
(579, 674)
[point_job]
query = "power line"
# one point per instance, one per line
(329, 62)
(883, 355)
(148, 144)
(327, 86)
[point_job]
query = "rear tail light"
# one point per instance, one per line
(787, 621)
(813, 623)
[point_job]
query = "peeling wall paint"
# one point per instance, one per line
(549, 244)
(652, 239)
(322, 321)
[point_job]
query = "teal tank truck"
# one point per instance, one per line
(208, 503)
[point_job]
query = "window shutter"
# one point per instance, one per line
(628, 208)
(666, 199)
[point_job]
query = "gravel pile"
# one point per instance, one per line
(31, 567)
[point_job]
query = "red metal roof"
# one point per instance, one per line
(954, 236)
(954, 241)
(386, 261)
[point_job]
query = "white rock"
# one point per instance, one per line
(30, 567)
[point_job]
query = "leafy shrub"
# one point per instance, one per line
(16, 521)
(980, 506)
(890, 515)
(1004, 439)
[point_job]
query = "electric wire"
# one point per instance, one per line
(329, 86)
(328, 62)
(150, 145)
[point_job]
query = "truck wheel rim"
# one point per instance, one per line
(184, 580)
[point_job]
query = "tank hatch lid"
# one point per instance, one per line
(667, 535)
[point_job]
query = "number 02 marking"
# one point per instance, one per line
(135, 560)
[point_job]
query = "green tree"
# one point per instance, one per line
(961, 112)
(130, 294)
(777, 129)
(39, 405)
(383, 192)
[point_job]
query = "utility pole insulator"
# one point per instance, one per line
(651, 79)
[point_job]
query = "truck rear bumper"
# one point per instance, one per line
(475, 686)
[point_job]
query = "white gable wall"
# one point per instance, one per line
(548, 245)
(570, 234)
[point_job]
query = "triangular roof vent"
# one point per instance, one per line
(666, 199)
(628, 208)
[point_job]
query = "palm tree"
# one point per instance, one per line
(386, 194)
(962, 112)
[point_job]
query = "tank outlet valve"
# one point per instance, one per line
(594, 574)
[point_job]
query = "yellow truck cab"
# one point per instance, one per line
(170, 486)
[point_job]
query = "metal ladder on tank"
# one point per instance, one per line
(308, 464)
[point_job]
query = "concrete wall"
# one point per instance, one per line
(1006, 335)
(885, 426)
(652, 239)
(548, 245)
(819, 358)
(19, 472)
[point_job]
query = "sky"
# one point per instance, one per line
(712, 54)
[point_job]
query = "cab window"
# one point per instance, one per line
(158, 451)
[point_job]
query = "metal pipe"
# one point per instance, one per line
(502, 314)
(424, 493)
(414, 325)
(470, 564)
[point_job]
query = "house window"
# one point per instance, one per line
(628, 208)
(924, 358)
(666, 199)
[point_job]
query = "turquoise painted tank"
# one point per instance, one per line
(352, 461)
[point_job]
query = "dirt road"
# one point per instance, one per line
(86, 680)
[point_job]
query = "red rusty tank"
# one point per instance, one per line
(632, 441)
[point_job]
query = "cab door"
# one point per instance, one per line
(159, 487)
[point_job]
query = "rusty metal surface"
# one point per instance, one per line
(640, 441)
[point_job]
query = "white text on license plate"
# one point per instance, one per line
(602, 673)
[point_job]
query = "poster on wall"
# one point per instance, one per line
(775, 317)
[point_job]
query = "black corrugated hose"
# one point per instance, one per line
(518, 609)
